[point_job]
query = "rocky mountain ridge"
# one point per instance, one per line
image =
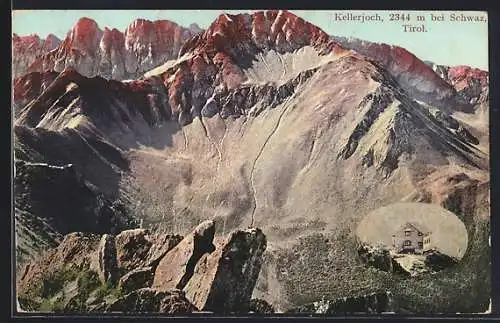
(109, 53)
(471, 84)
(26, 50)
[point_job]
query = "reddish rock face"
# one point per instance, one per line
(425, 81)
(30, 86)
(218, 57)
(109, 53)
(84, 37)
(462, 76)
(273, 29)
(26, 49)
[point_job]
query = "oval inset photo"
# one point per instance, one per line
(411, 238)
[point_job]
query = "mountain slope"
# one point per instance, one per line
(414, 75)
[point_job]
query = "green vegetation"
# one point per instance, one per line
(108, 290)
(330, 266)
(52, 296)
(54, 282)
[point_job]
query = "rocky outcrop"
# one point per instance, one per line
(223, 281)
(382, 258)
(136, 279)
(379, 302)
(472, 84)
(219, 279)
(187, 278)
(106, 255)
(177, 266)
(376, 256)
(147, 300)
(113, 54)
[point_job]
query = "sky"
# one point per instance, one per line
(444, 42)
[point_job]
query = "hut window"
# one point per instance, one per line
(407, 243)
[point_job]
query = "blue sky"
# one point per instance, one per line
(448, 42)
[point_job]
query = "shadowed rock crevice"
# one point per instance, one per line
(203, 243)
(378, 102)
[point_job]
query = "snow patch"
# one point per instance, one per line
(47, 165)
(216, 33)
(169, 64)
(272, 66)
(71, 86)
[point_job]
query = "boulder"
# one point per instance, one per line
(161, 244)
(223, 281)
(132, 249)
(436, 260)
(136, 279)
(106, 256)
(410, 265)
(151, 300)
(376, 256)
(177, 266)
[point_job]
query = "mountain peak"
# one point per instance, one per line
(83, 37)
(279, 30)
(110, 52)
(84, 22)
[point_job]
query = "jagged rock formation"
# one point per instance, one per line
(412, 265)
(472, 84)
(177, 268)
(26, 49)
(222, 283)
(293, 134)
(111, 53)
